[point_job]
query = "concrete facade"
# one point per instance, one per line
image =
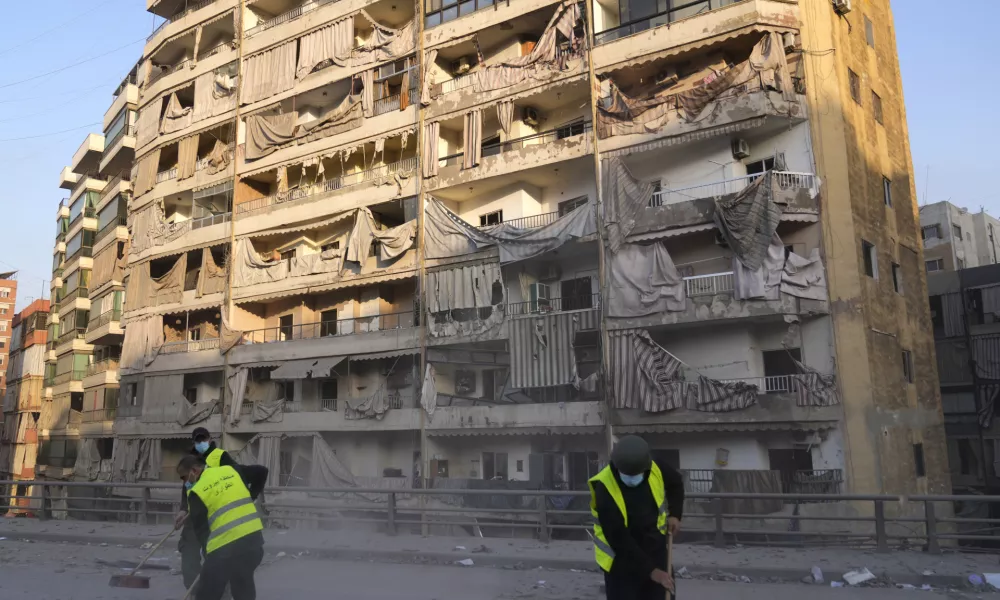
(365, 326)
(956, 239)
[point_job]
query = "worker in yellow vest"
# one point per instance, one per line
(635, 502)
(222, 512)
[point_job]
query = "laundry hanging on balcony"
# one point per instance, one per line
(466, 300)
(543, 59)
(331, 44)
(813, 388)
(748, 221)
(644, 281)
(176, 117)
(449, 235)
(624, 198)
(653, 108)
(385, 43)
(541, 350)
(214, 94)
(268, 73)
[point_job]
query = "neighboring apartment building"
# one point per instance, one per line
(956, 239)
(23, 400)
(368, 247)
(8, 300)
(965, 311)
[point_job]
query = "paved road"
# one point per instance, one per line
(69, 572)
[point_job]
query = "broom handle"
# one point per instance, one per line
(190, 590)
(152, 552)
(670, 563)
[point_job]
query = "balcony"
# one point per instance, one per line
(105, 329)
(289, 15)
(189, 346)
(100, 415)
(771, 384)
(454, 9)
(710, 285)
(83, 252)
(783, 180)
(513, 417)
(555, 305)
(112, 226)
(127, 411)
(211, 220)
(80, 292)
(811, 481)
(405, 166)
(108, 364)
(391, 103)
(73, 334)
(341, 327)
(532, 222)
(192, 7)
(64, 378)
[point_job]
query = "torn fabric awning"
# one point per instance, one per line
(307, 368)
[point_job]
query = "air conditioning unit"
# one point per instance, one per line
(461, 66)
(842, 7)
(741, 148)
(666, 78)
(788, 41)
(530, 116)
(550, 272)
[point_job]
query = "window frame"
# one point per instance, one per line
(897, 278)
(877, 110)
(854, 83)
(887, 192)
(906, 357)
(869, 256)
(869, 32)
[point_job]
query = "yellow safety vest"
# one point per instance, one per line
(214, 457)
(231, 513)
(603, 552)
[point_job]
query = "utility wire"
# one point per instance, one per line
(68, 101)
(76, 64)
(51, 29)
(31, 137)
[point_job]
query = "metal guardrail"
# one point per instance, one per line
(531, 222)
(714, 189)
(295, 13)
(130, 131)
(554, 305)
(876, 521)
(340, 327)
(166, 175)
(80, 292)
(391, 103)
(190, 9)
(771, 384)
(710, 285)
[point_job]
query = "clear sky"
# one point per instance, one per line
(954, 127)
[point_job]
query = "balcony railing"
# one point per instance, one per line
(82, 183)
(80, 292)
(166, 175)
(130, 131)
(108, 364)
(772, 384)
(537, 139)
(72, 334)
(128, 410)
(112, 184)
(74, 375)
(190, 9)
(374, 174)
(190, 346)
(312, 331)
(391, 103)
(709, 285)
(83, 251)
(812, 481)
(783, 179)
(532, 222)
(553, 305)
(112, 226)
(563, 52)
(110, 316)
(675, 13)
(393, 400)
(295, 13)
(100, 415)
(211, 220)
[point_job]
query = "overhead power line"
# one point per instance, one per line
(69, 21)
(70, 66)
(31, 137)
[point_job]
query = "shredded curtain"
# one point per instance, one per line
(505, 114)
(176, 117)
(427, 81)
(144, 291)
(145, 176)
(472, 139)
(804, 277)
(332, 43)
(385, 43)
(393, 242)
(368, 92)
(108, 266)
(763, 282)
(187, 157)
(143, 338)
(644, 281)
(211, 277)
(237, 391)
(251, 269)
(265, 133)
(428, 391)
(813, 388)
(148, 123)
(458, 297)
(268, 73)
(219, 158)
(748, 221)
(214, 94)
(624, 198)
(430, 151)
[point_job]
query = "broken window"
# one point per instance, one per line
(855, 83)
(495, 466)
(870, 256)
(465, 382)
(934, 265)
(930, 232)
(328, 322)
(897, 278)
(907, 357)
(877, 108)
(956, 232)
(577, 294)
(491, 218)
(285, 328)
(918, 460)
(869, 32)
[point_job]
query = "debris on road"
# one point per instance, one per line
(836, 584)
(975, 580)
(465, 562)
(459, 548)
(817, 574)
(858, 576)
(993, 579)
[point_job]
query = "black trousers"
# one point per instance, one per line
(623, 584)
(234, 567)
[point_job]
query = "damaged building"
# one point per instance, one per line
(464, 249)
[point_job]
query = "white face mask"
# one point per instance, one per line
(632, 480)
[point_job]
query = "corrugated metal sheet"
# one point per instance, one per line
(302, 227)
(390, 354)
(668, 233)
(703, 134)
(568, 430)
(710, 427)
(295, 291)
(542, 350)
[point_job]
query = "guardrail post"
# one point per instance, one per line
(392, 513)
(933, 547)
(543, 519)
(720, 537)
(881, 541)
(144, 507)
(43, 510)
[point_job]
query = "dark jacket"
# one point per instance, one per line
(640, 547)
(254, 477)
(225, 461)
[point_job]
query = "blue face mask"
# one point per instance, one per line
(632, 480)
(188, 485)
(201, 447)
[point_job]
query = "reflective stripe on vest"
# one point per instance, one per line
(231, 512)
(214, 457)
(603, 552)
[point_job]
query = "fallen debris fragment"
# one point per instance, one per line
(993, 579)
(858, 576)
(817, 574)
(465, 562)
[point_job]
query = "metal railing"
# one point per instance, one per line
(714, 189)
(74, 375)
(190, 9)
(211, 220)
(532, 222)
(811, 481)
(392, 400)
(295, 13)
(311, 331)
(464, 81)
(536, 139)
(112, 184)
(112, 226)
(710, 285)
(100, 415)
(216, 50)
(104, 318)
(80, 292)
(73, 334)
(344, 181)
(662, 18)
(391, 103)
(166, 175)
(130, 131)
(103, 366)
(878, 522)
(553, 305)
(190, 346)
(454, 10)
(772, 384)
(84, 251)
(128, 410)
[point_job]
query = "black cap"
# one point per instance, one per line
(631, 455)
(200, 432)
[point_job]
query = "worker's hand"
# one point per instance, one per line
(179, 519)
(663, 578)
(673, 525)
